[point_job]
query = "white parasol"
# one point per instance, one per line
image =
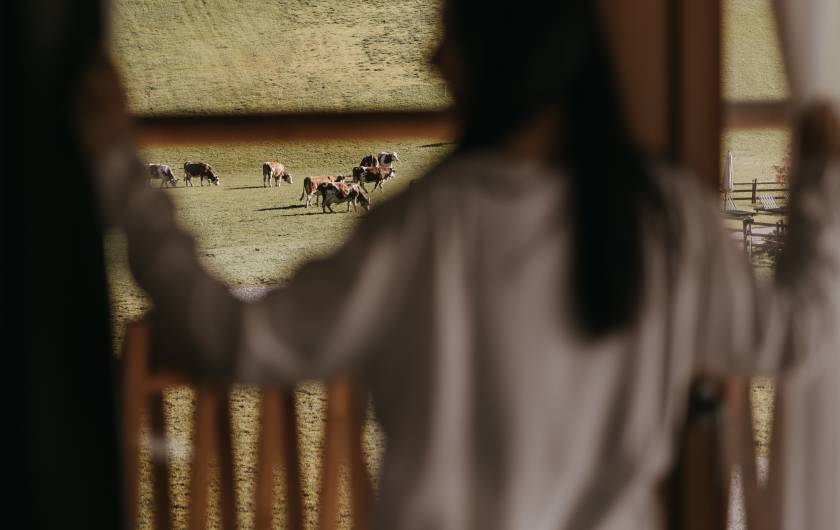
(728, 180)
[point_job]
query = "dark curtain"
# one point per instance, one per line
(56, 308)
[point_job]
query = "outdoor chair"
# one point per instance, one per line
(769, 204)
(730, 209)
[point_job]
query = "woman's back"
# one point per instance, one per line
(497, 412)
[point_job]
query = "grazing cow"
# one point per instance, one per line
(387, 159)
(163, 173)
(369, 161)
(201, 170)
(310, 186)
(276, 171)
(384, 159)
(339, 192)
(377, 175)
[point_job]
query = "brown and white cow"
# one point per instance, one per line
(378, 175)
(369, 161)
(342, 192)
(276, 171)
(310, 187)
(163, 173)
(202, 170)
(383, 159)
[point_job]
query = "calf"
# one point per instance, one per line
(201, 170)
(339, 192)
(310, 186)
(378, 175)
(164, 173)
(276, 171)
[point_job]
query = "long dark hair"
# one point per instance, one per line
(549, 57)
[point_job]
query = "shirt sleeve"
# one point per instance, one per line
(326, 319)
(762, 328)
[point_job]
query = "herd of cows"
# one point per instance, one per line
(339, 189)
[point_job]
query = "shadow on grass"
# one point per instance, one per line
(289, 207)
(318, 212)
(246, 188)
(439, 144)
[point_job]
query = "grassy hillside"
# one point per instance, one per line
(200, 55)
(223, 56)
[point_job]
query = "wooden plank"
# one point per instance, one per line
(335, 450)
(161, 490)
(697, 496)
(700, 120)
(770, 114)
(360, 484)
(637, 31)
(203, 445)
(162, 381)
(267, 459)
(225, 461)
(771, 493)
(760, 183)
(134, 364)
(291, 460)
(740, 447)
(278, 127)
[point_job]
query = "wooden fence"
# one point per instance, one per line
(142, 391)
(696, 494)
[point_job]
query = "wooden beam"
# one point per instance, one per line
(243, 128)
(773, 114)
(637, 32)
(700, 106)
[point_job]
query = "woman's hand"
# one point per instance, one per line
(105, 136)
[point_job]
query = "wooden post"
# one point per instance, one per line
(135, 362)
(278, 421)
(161, 491)
(740, 447)
(334, 453)
(211, 436)
(345, 422)
(699, 108)
(267, 459)
(697, 492)
(224, 460)
(202, 449)
(291, 458)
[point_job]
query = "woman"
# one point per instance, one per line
(528, 318)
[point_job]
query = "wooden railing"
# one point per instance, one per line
(212, 440)
(696, 494)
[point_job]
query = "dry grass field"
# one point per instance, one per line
(219, 56)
